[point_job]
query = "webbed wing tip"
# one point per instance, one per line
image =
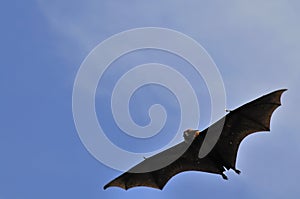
(280, 92)
(112, 185)
(126, 184)
(105, 187)
(121, 187)
(117, 182)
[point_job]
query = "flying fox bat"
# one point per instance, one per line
(252, 117)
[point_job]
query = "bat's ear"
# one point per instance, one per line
(190, 134)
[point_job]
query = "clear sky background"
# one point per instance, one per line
(255, 44)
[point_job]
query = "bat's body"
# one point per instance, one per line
(252, 117)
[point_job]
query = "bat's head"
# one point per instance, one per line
(190, 134)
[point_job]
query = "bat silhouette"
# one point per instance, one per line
(252, 117)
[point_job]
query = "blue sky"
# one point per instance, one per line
(255, 45)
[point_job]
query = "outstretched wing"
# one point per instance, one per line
(252, 117)
(155, 179)
(143, 174)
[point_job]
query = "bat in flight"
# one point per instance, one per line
(252, 117)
